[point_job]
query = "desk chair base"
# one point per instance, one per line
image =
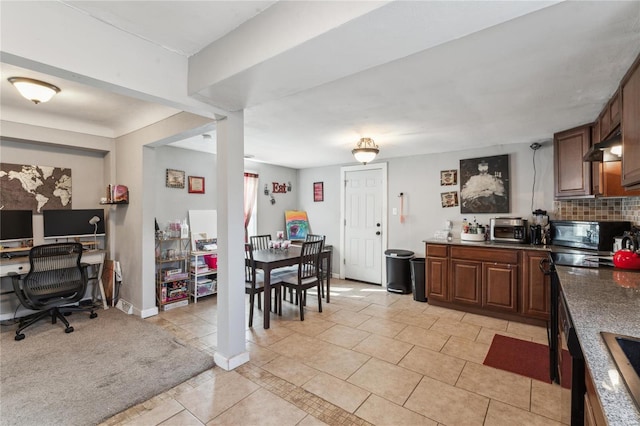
(55, 314)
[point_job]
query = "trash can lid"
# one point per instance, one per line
(398, 253)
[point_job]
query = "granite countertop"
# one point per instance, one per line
(487, 244)
(604, 299)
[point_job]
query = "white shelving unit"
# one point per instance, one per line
(203, 279)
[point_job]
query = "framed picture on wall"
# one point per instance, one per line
(196, 185)
(485, 184)
(448, 177)
(175, 178)
(318, 191)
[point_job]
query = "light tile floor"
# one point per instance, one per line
(371, 357)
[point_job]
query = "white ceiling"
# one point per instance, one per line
(313, 77)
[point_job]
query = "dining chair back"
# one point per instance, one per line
(260, 242)
(254, 283)
(308, 275)
(323, 264)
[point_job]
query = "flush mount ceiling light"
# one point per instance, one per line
(365, 151)
(35, 90)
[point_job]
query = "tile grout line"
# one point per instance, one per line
(301, 398)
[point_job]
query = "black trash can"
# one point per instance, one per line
(417, 279)
(399, 270)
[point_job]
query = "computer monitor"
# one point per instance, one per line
(72, 223)
(16, 225)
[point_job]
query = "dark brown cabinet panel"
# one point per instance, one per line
(572, 175)
(536, 286)
(437, 278)
(500, 287)
(466, 282)
(631, 127)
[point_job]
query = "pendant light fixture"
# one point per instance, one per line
(35, 90)
(365, 151)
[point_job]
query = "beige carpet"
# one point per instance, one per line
(105, 366)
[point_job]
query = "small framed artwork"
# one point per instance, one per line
(196, 185)
(175, 178)
(318, 191)
(449, 199)
(448, 177)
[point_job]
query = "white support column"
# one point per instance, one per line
(232, 350)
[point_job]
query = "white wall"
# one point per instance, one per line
(418, 177)
(271, 216)
(175, 203)
(87, 170)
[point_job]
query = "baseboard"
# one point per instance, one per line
(146, 313)
(229, 364)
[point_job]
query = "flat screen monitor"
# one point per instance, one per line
(72, 223)
(16, 225)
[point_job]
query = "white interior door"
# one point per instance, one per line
(364, 224)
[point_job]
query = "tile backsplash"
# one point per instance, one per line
(627, 208)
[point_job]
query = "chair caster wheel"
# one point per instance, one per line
(68, 330)
(19, 336)
(93, 315)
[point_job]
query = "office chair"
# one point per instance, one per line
(56, 278)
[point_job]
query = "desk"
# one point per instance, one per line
(20, 265)
(268, 260)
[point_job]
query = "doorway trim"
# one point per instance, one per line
(343, 216)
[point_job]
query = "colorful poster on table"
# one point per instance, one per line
(297, 225)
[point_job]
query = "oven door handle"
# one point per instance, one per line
(545, 266)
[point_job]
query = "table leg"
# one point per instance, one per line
(267, 297)
(328, 276)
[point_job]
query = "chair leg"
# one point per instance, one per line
(56, 313)
(319, 298)
(299, 296)
(251, 300)
(259, 301)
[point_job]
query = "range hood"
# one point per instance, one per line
(602, 151)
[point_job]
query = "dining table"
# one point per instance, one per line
(269, 260)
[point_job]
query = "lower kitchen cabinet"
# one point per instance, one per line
(437, 272)
(507, 283)
(536, 286)
(593, 413)
(466, 282)
(500, 286)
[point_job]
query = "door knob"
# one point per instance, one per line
(378, 225)
(378, 233)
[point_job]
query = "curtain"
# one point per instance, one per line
(250, 191)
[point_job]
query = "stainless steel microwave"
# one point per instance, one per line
(508, 229)
(597, 235)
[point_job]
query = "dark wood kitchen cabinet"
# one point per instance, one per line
(572, 176)
(486, 278)
(491, 281)
(610, 116)
(437, 272)
(500, 286)
(630, 88)
(466, 282)
(536, 286)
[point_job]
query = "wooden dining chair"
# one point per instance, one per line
(260, 242)
(254, 284)
(307, 276)
(323, 272)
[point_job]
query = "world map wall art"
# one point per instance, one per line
(36, 188)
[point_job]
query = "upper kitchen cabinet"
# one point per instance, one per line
(572, 174)
(609, 118)
(630, 91)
